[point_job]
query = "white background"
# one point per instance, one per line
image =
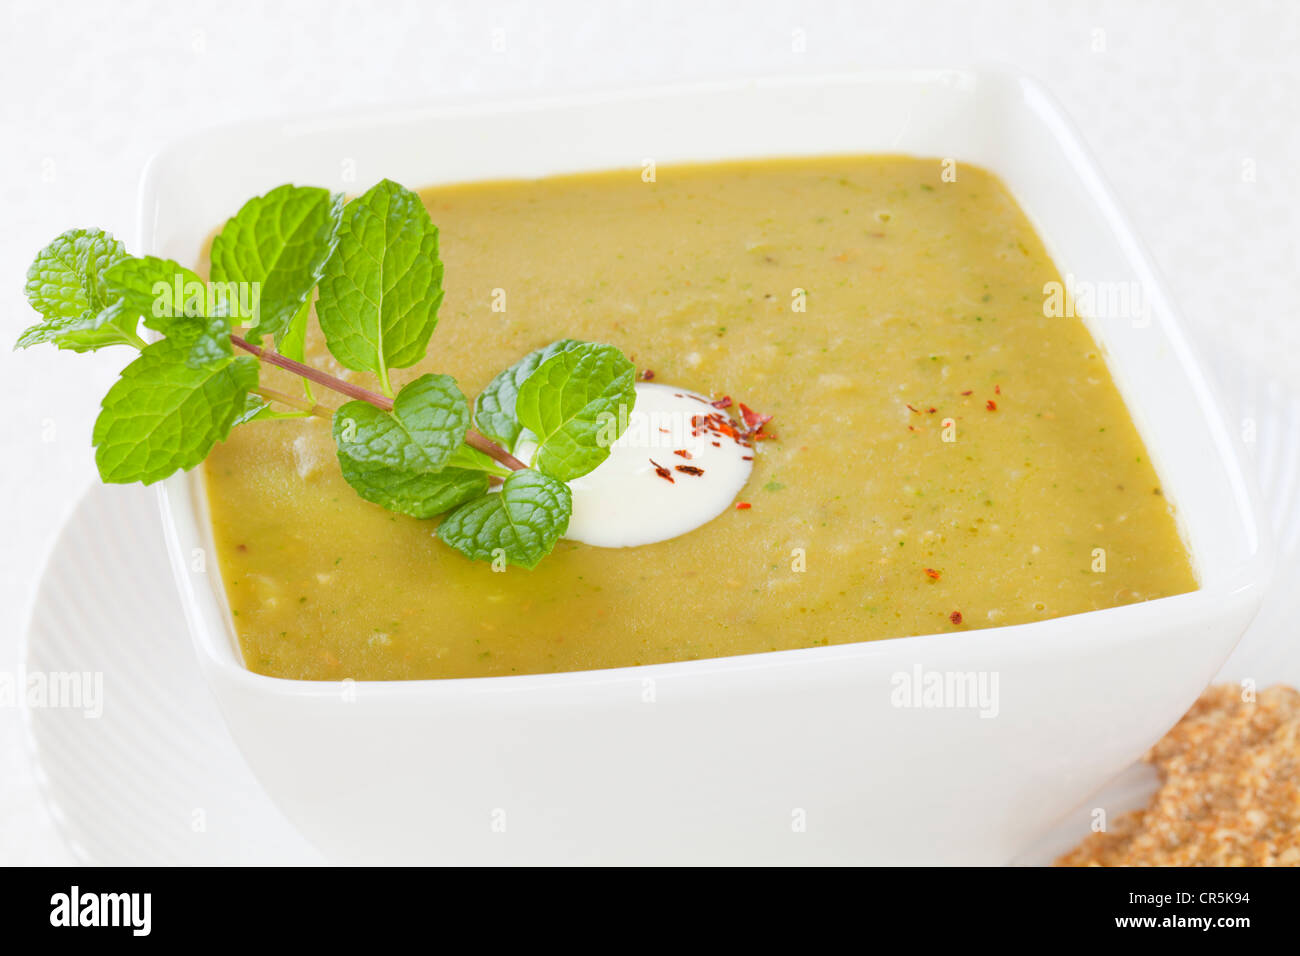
(1181, 102)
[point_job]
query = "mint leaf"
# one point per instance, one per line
(472, 458)
(114, 325)
(566, 402)
(149, 285)
(399, 459)
(64, 280)
(163, 415)
(281, 241)
(381, 289)
(255, 407)
(173, 300)
(293, 343)
(494, 409)
(522, 522)
(65, 285)
(418, 494)
(427, 424)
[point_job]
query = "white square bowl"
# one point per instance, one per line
(793, 756)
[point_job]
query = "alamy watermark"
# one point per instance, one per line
(54, 690)
(234, 300)
(76, 908)
(1097, 300)
(945, 690)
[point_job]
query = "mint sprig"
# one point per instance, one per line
(372, 266)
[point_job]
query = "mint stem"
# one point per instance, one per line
(472, 438)
(494, 451)
(311, 408)
(315, 375)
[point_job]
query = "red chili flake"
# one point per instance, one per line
(911, 428)
(932, 574)
(997, 389)
(683, 453)
(716, 444)
(752, 418)
(723, 402)
(762, 436)
(743, 506)
(726, 429)
(647, 375)
(955, 617)
(665, 430)
(689, 470)
(914, 409)
(661, 471)
(969, 391)
(991, 405)
(746, 457)
(932, 409)
(702, 401)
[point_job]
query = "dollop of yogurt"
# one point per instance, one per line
(680, 463)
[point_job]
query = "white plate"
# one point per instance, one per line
(125, 788)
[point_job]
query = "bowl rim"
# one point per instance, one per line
(1243, 583)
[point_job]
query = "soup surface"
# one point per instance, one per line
(861, 301)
